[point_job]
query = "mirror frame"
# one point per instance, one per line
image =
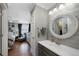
(69, 34)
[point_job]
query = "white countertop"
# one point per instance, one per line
(61, 50)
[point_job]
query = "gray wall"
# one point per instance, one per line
(72, 41)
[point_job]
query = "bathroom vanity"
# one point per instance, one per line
(44, 51)
(48, 48)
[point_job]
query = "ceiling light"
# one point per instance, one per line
(10, 21)
(50, 12)
(61, 6)
(55, 9)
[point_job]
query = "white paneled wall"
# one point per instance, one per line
(39, 20)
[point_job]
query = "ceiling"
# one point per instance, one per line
(22, 6)
(30, 6)
(47, 6)
(21, 11)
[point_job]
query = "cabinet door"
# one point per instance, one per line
(0, 29)
(43, 51)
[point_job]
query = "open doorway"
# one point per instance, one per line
(19, 39)
(19, 26)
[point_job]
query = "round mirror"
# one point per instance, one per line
(63, 26)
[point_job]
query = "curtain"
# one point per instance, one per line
(20, 29)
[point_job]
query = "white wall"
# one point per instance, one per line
(39, 20)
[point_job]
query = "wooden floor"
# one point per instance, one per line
(20, 49)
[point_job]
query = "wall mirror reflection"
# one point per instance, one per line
(61, 25)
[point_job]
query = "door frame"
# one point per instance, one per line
(4, 29)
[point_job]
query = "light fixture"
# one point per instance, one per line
(61, 6)
(10, 21)
(50, 12)
(54, 10)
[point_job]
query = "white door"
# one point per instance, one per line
(0, 29)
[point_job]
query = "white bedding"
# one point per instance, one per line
(11, 36)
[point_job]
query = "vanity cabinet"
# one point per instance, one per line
(43, 51)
